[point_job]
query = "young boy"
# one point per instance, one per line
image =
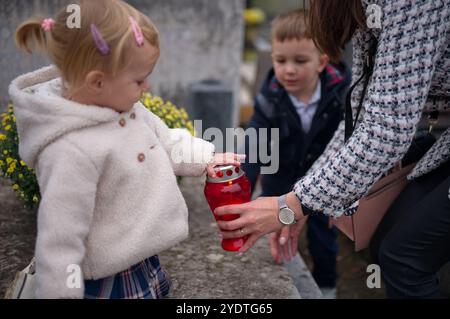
(302, 97)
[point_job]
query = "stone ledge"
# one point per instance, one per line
(303, 279)
(200, 268)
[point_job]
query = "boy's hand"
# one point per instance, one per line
(224, 159)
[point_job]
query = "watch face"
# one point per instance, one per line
(286, 216)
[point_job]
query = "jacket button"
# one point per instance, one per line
(132, 116)
(122, 122)
(141, 157)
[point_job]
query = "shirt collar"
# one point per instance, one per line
(315, 98)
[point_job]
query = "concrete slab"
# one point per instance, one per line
(200, 268)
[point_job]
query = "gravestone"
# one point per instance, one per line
(212, 103)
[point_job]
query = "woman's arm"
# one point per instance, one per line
(414, 34)
(413, 37)
(335, 144)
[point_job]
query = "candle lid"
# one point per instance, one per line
(225, 173)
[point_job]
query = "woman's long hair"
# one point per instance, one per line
(332, 23)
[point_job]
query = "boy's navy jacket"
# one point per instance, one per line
(298, 151)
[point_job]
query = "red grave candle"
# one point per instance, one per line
(229, 187)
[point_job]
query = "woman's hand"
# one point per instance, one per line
(284, 243)
(224, 159)
(257, 218)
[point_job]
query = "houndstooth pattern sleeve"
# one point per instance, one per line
(413, 37)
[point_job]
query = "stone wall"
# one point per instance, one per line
(198, 266)
(200, 39)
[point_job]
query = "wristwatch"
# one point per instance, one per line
(286, 216)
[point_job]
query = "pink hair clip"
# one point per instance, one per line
(101, 44)
(47, 24)
(137, 32)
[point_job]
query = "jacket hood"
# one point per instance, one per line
(333, 77)
(43, 115)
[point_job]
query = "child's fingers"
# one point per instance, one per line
(233, 159)
(227, 159)
(210, 171)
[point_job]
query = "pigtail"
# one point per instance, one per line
(31, 34)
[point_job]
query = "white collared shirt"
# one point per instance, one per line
(306, 111)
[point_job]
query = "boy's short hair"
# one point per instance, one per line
(290, 25)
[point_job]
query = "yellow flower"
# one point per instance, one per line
(1, 163)
(15, 187)
(5, 152)
(254, 16)
(9, 160)
(20, 176)
(168, 112)
(23, 163)
(8, 127)
(2, 137)
(147, 101)
(190, 128)
(158, 101)
(35, 199)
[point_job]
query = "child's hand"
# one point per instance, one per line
(224, 159)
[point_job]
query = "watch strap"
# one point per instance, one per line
(282, 202)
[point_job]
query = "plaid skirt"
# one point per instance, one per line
(145, 280)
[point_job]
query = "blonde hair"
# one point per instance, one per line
(289, 26)
(74, 52)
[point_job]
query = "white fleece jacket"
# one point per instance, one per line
(109, 192)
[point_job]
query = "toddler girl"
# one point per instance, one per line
(106, 166)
